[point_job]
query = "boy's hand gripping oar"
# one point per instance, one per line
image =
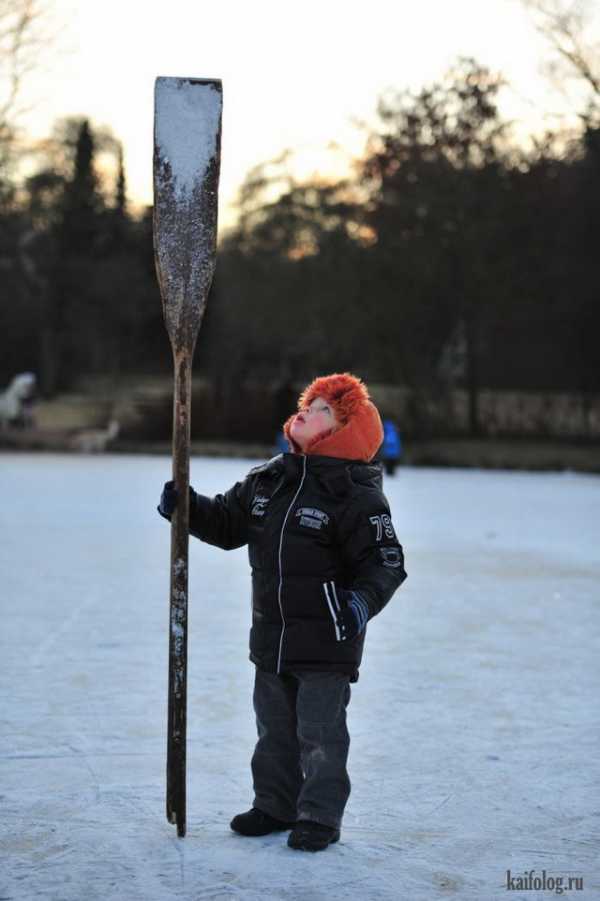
(187, 149)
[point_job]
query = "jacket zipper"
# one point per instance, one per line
(280, 565)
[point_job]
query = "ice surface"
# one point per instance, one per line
(474, 723)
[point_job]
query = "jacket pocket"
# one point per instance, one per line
(333, 604)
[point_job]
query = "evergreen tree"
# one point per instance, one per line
(82, 203)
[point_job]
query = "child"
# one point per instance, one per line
(325, 560)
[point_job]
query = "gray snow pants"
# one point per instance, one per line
(299, 763)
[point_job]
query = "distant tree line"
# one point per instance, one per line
(79, 290)
(450, 258)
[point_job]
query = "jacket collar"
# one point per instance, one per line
(335, 474)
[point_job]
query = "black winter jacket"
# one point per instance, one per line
(308, 521)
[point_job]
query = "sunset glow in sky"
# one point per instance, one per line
(294, 75)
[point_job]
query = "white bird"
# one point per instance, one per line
(13, 399)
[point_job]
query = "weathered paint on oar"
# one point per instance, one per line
(187, 148)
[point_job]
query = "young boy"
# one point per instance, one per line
(325, 559)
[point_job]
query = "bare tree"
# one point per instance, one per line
(567, 26)
(23, 35)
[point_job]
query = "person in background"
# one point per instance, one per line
(390, 452)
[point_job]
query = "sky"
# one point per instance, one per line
(294, 75)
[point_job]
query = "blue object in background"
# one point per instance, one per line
(390, 451)
(281, 443)
(392, 444)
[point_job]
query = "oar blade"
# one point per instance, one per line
(187, 154)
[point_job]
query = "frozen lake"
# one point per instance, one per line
(474, 725)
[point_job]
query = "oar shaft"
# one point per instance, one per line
(176, 747)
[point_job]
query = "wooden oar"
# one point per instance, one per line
(187, 153)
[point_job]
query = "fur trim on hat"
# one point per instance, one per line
(360, 433)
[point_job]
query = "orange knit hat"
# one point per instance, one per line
(360, 433)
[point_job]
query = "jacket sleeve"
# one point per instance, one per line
(222, 520)
(371, 553)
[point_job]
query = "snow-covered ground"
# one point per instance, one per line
(474, 723)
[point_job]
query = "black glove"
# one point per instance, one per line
(168, 499)
(352, 615)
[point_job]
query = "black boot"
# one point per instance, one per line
(310, 836)
(255, 822)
